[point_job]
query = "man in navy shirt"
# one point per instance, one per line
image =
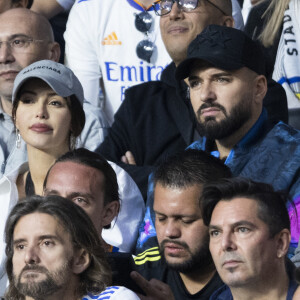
(249, 230)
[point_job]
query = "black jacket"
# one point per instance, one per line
(154, 121)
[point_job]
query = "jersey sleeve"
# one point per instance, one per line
(114, 293)
(237, 15)
(66, 4)
(81, 54)
(123, 233)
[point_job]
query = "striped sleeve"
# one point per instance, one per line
(150, 255)
(113, 293)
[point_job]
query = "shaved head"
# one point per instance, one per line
(225, 5)
(39, 25)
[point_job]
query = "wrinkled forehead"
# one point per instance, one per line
(14, 25)
(39, 225)
(71, 177)
(173, 200)
(229, 212)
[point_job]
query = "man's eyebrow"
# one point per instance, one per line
(50, 191)
(69, 196)
(50, 237)
(214, 227)
(19, 35)
(217, 74)
(41, 237)
(78, 194)
(193, 77)
(177, 215)
(159, 213)
(233, 225)
(243, 223)
(222, 73)
(18, 241)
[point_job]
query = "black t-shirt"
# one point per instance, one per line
(151, 265)
(174, 280)
(121, 265)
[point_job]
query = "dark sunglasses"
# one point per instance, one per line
(163, 7)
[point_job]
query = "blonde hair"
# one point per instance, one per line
(274, 15)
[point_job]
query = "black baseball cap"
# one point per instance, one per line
(225, 48)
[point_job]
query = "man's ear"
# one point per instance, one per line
(81, 261)
(261, 87)
(54, 51)
(227, 21)
(21, 3)
(283, 239)
(110, 211)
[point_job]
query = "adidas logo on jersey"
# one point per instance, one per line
(151, 255)
(111, 39)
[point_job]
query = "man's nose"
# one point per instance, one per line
(228, 241)
(6, 55)
(31, 255)
(176, 12)
(172, 229)
(207, 93)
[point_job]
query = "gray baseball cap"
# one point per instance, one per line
(60, 78)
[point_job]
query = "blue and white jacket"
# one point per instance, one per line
(113, 293)
(265, 154)
(270, 155)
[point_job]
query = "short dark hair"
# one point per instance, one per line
(93, 160)
(83, 235)
(190, 167)
(271, 204)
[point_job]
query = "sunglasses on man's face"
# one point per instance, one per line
(163, 7)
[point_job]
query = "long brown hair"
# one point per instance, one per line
(84, 236)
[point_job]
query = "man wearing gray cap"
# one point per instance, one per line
(225, 71)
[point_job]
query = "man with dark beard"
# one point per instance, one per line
(182, 260)
(225, 71)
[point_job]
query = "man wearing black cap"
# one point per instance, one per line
(225, 73)
(155, 119)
